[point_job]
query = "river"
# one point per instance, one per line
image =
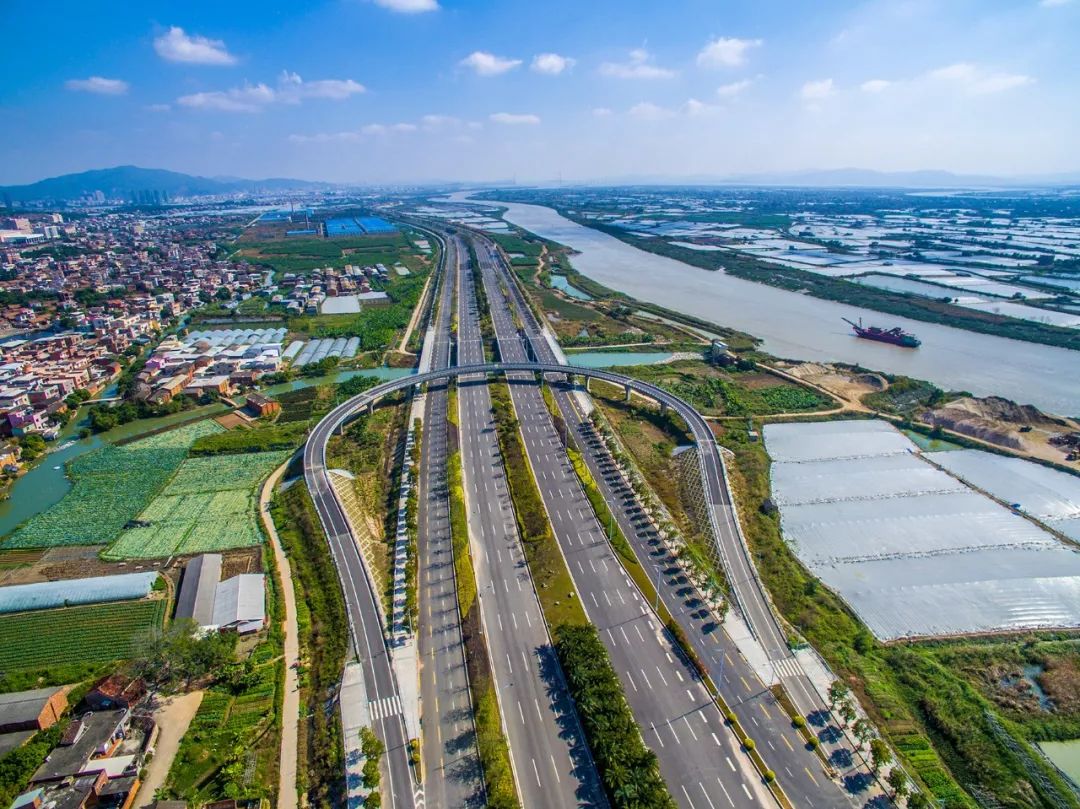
(802, 327)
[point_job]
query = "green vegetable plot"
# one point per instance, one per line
(211, 504)
(95, 632)
(111, 486)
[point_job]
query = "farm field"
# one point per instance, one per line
(96, 632)
(111, 486)
(209, 505)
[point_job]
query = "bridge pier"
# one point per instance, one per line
(626, 390)
(663, 408)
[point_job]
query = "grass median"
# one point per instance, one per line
(492, 747)
(628, 770)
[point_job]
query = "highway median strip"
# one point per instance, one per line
(628, 770)
(491, 741)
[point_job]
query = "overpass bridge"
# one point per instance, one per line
(728, 546)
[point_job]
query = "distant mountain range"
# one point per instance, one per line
(123, 181)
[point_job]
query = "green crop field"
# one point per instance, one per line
(210, 504)
(90, 633)
(111, 486)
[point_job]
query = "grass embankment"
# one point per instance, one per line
(935, 719)
(628, 769)
(611, 317)
(324, 637)
(491, 742)
(733, 392)
(232, 748)
(369, 451)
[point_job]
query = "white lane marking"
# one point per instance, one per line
(706, 794)
(690, 728)
(687, 794)
(722, 787)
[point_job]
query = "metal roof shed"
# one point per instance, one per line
(198, 589)
(240, 603)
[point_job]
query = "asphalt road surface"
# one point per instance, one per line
(699, 758)
(550, 760)
(799, 770)
(398, 790)
(452, 773)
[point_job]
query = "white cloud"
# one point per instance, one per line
(647, 111)
(601, 112)
(875, 86)
(817, 90)
(693, 107)
(409, 6)
(488, 64)
(514, 119)
(976, 80)
(387, 129)
(552, 64)
(291, 89)
(637, 67)
(439, 121)
(726, 52)
(1054, 3)
(98, 85)
(326, 137)
(733, 89)
(355, 135)
(249, 98)
(177, 46)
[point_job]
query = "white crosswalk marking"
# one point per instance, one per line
(385, 707)
(788, 667)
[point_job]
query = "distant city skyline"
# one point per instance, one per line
(379, 91)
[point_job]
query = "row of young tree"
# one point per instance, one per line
(842, 703)
(628, 769)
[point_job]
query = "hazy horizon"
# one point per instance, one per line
(411, 91)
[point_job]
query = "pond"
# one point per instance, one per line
(561, 283)
(615, 359)
(1065, 755)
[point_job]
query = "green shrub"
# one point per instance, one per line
(613, 736)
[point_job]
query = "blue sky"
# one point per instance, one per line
(413, 90)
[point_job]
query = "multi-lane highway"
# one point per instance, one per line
(551, 762)
(699, 757)
(451, 765)
(798, 769)
(398, 790)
